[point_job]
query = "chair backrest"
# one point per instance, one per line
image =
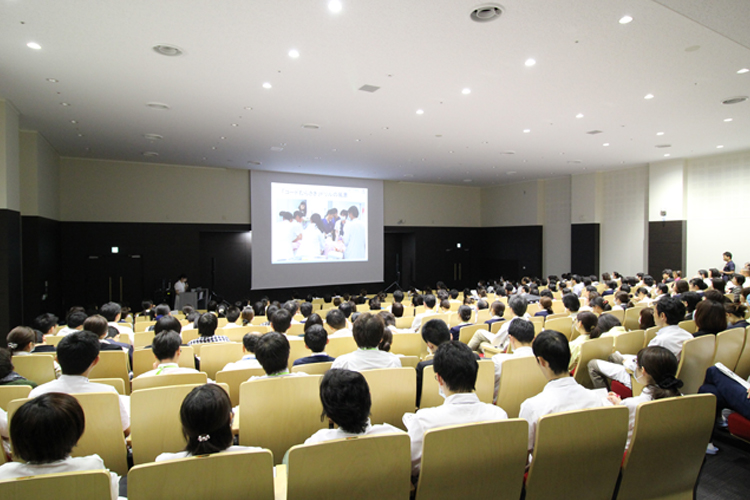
(155, 425)
(10, 392)
(143, 361)
(297, 349)
(214, 357)
(39, 369)
(729, 347)
(594, 437)
(217, 474)
(103, 433)
(338, 346)
(520, 379)
(235, 378)
(117, 383)
(562, 325)
(189, 334)
(87, 485)
(697, 355)
(393, 392)
(688, 325)
(408, 344)
(152, 381)
(482, 460)
(629, 342)
(336, 469)
(599, 348)
(404, 321)
(484, 387)
(617, 313)
(632, 315)
(743, 363)
(649, 334)
(467, 332)
(140, 326)
(667, 448)
(409, 361)
(143, 338)
(313, 368)
(483, 315)
(278, 413)
(538, 324)
(236, 334)
(113, 364)
(53, 339)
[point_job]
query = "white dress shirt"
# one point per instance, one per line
(632, 405)
(247, 361)
(562, 394)
(671, 337)
(416, 324)
(500, 339)
(66, 331)
(522, 352)
(75, 384)
(3, 424)
(123, 328)
(330, 434)
(167, 369)
(185, 454)
(367, 359)
(344, 332)
(461, 408)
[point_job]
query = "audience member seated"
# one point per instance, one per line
(166, 348)
(233, 314)
(337, 322)
(99, 326)
(249, 343)
(112, 312)
(646, 318)
(521, 335)
(517, 310)
(247, 316)
(456, 370)
(546, 304)
(207, 324)
(464, 314)
(316, 339)
(74, 322)
(368, 332)
(21, 341)
(710, 318)
(281, 321)
(586, 323)
(429, 303)
(206, 416)
(730, 396)
(77, 354)
(44, 431)
(305, 309)
(7, 375)
(657, 371)
(610, 326)
(434, 333)
(272, 352)
(562, 392)
(736, 315)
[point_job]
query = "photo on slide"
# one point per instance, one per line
(312, 223)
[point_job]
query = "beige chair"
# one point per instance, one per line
(589, 443)
(483, 315)
(617, 313)
(667, 448)
(629, 342)
(632, 316)
(336, 469)
(409, 361)
(497, 325)
(650, 334)
(155, 425)
(53, 339)
(278, 413)
(214, 357)
(482, 460)
(87, 485)
(467, 332)
(729, 347)
(143, 361)
(296, 329)
(297, 349)
(313, 368)
(259, 320)
(393, 392)
(153, 381)
(430, 396)
(236, 334)
(189, 334)
(247, 474)
(484, 387)
(743, 363)
(235, 378)
(599, 348)
(538, 324)
(404, 321)
(562, 314)
(141, 326)
(103, 433)
(10, 392)
(143, 338)
(688, 325)
(39, 369)
(697, 355)
(339, 346)
(557, 305)
(113, 364)
(520, 379)
(533, 308)
(563, 325)
(117, 383)
(408, 344)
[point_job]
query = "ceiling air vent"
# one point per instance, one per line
(486, 13)
(369, 88)
(735, 100)
(594, 132)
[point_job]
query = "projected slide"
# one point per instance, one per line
(318, 223)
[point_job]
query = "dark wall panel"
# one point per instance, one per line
(666, 246)
(510, 252)
(42, 290)
(11, 289)
(584, 248)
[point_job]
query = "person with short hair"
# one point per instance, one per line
(517, 306)
(272, 352)
(521, 335)
(167, 350)
(98, 325)
(336, 320)
(562, 392)
(206, 417)
(44, 431)
(316, 339)
(207, 324)
(7, 375)
(233, 314)
(112, 312)
(77, 354)
(368, 332)
(456, 371)
(498, 310)
(464, 314)
(430, 302)
(434, 333)
(74, 322)
(281, 320)
(729, 266)
(305, 309)
(248, 360)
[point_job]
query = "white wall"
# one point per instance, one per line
(666, 190)
(414, 204)
(556, 198)
(512, 205)
(40, 176)
(717, 210)
(586, 198)
(624, 227)
(117, 191)
(10, 180)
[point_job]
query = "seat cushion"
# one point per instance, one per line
(739, 426)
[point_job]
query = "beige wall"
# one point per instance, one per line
(40, 176)
(10, 183)
(413, 204)
(117, 191)
(513, 205)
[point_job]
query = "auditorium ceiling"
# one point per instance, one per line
(415, 90)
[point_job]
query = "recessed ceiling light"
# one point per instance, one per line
(167, 50)
(80, 135)
(511, 172)
(727, 119)
(276, 148)
(648, 96)
(667, 155)
(526, 130)
(420, 111)
(467, 180)
(625, 19)
(222, 138)
(356, 140)
(153, 137)
(466, 91)
(335, 6)
(248, 108)
(34, 45)
(73, 121)
(157, 105)
(294, 53)
(530, 62)
(719, 146)
(266, 85)
(605, 144)
(486, 13)
(64, 104)
(742, 71)
(660, 133)
(213, 147)
(253, 162)
(235, 124)
(52, 80)
(150, 153)
(579, 115)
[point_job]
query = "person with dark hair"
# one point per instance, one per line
(313, 242)
(368, 332)
(248, 360)
(546, 307)
(464, 314)
(680, 287)
(206, 417)
(233, 314)
(207, 324)
(710, 318)
(669, 312)
(314, 319)
(167, 350)
(587, 326)
(169, 323)
(272, 351)
(691, 301)
(355, 237)
(729, 267)
(642, 296)
(498, 310)
(736, 315)
(657, 371)
(316, 339)
(77, 354)
(74, 323)
(646, 318)
(247, 316)
(456, 370)
(562, 392)
(718, 284)
(434, 333)
(98, 325)
(430, 310)
(397, 309)
(517, 306)
(44, 432)
(346, 401)
(112, 312)
(621, 300)
(336, 320)
(281, 320)
(46, 323)
(572, 304)
(735, 284)
(21, 341)
(7, 375)
(305, 309)
(520, 335)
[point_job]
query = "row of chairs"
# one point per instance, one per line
(479, 460)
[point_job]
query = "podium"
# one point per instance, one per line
(197, 297)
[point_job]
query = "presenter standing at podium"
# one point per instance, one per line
(180, 287)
